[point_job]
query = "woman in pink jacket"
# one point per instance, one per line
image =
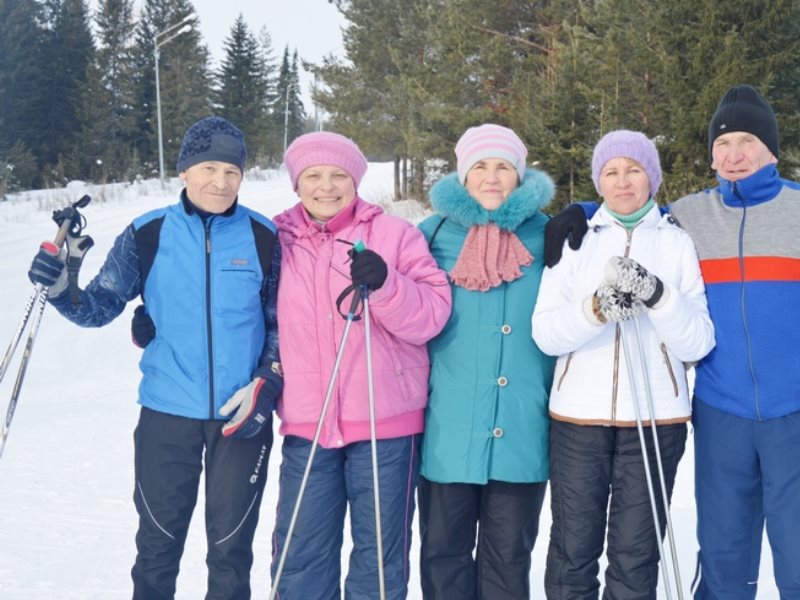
(409, 303)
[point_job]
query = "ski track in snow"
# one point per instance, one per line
(67, 520)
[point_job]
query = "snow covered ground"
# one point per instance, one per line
(67, 520)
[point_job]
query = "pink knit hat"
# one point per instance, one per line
(628, 144)
(324, 148)
(489, 141)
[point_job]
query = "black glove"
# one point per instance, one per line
(49, 268)
(143, 330)
(368, 268)
(570, 224)
(629, 277)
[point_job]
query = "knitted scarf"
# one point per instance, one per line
(492, 253)
(489, 257)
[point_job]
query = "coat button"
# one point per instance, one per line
(502, 381)
(506, 329)
(497, 432)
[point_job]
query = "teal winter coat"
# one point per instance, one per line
(487, 411)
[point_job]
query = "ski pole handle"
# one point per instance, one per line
(67, 217)
(61, 236)
(358, 247)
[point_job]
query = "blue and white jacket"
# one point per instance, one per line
(210, 287)
(749, 248)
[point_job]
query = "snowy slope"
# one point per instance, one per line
(67, 520)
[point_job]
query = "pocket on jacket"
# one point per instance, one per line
(670, 371)
(566, 370)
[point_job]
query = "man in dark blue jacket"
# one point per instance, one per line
(207, 269)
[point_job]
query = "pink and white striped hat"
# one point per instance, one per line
(489, 141)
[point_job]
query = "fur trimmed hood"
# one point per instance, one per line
(452, 200)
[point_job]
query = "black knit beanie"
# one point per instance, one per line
(742, 108)
(212, 138)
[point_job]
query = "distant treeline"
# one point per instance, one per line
(78, 96)
(417, 73)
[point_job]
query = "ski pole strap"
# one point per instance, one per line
(77, 246)
(356, 306)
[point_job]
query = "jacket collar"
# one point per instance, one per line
(450, 199)
(762, 186)
(653, 218)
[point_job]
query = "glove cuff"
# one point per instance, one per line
(656, 296)
(594, 312)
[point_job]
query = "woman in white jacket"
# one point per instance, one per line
(633, 263)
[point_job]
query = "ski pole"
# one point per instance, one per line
(659, 463)
(373, 444)
(67, 219)
(12, 347)
(648, 477)
(304, 482)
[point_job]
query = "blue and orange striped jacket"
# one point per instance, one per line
(747, 238)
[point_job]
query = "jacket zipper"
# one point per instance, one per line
(617, 339)
(742, 305)
(669, 369)
(207, 228)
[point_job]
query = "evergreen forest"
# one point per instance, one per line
(78, 100)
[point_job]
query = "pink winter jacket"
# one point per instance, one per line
(410, 308)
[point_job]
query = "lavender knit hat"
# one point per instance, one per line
(628, 144)
(324, 148)
(489, 141)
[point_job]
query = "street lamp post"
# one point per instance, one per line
(185, 26)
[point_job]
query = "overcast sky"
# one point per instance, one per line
(314, 27)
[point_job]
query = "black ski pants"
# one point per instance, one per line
(503, 518)
(169, 455)
(587, 464)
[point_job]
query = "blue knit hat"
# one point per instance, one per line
(212, 138)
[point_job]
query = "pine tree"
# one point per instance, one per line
(288, 112)
(108, 114)
(297, 112)
(184, 78)
(714, 47)
(69, 52)
(375, 95)
(243, 86)
(271, 133)
(23, 85)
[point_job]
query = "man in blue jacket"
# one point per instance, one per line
(746, 410)
(207, 270)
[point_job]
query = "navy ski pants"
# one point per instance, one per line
(338, 478)
(588, 464)
(746, 473)
(169, 455)
(501, 518)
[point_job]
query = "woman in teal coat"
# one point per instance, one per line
(485, 447)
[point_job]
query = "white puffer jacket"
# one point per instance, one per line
(592, 384)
